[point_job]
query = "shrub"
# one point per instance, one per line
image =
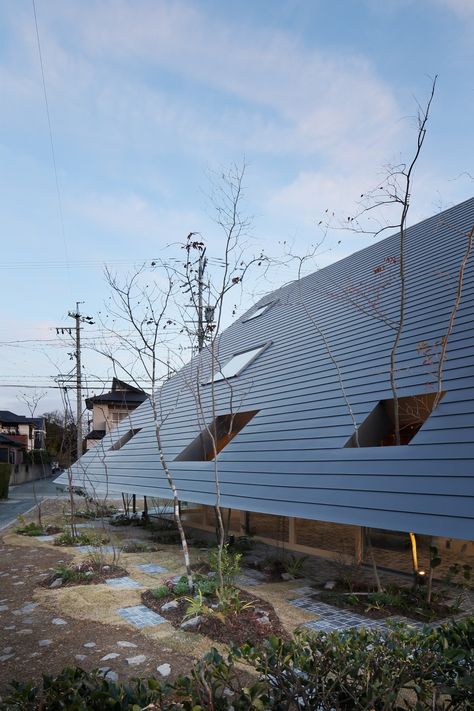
(81, 539)
(230, 563)
(30, 529)
(160, 592)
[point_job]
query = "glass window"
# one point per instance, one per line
(237, 364)
(259, 311)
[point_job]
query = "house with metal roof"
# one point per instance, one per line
(110, 408)
(290, 383)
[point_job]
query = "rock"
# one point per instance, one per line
(287, 576)
(106, 568)
(135, 661)
(57, 582)
(171, 605)
(108, 674)
(330, 585)
(58, 621)
(80, 657)
(3, 608)
(45, 642)
(7, 650)
(228, 692)
(265, 620)
(112, 655)
(25, 632)
(4, 657)
(89, 645)
(88, 573)
(192, 623)
(164, 669)
(122, 643)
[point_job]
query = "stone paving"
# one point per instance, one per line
(124, 582)
(140, 616)
(151, 568)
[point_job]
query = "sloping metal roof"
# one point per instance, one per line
(290, 459)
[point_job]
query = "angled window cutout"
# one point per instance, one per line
(378, 428)
(260, 311)
(237, 364)
(124, 439)
(215, 437)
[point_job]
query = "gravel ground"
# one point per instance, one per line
(37, 638)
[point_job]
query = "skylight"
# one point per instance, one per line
(259, 311)
(237, 364)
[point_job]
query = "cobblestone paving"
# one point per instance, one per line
(333, 618)
(140, 616)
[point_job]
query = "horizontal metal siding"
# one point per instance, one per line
(290, 458)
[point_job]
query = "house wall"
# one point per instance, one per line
(22, 473)
(104, 416)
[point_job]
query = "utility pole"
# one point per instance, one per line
(201, 329)
(79, 318)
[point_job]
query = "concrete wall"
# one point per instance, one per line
(29, 472)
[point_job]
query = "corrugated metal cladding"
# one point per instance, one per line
(290, 458)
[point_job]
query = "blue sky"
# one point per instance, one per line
(147, 97)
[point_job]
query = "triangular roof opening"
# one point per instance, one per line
(215, 437)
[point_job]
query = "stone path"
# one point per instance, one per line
(140, 616)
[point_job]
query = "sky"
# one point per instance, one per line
(149, 98)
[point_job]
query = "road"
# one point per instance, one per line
(23, 497)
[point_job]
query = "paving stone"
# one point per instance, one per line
(89, 645)
(123, 643)
(45, 539)
(10, 627)
(112, 655)
(95, 549)
(123, 583)
(45, 642)
(135, 661)
(164, 669)
(140, 616)
(151, 568)
(58, 621)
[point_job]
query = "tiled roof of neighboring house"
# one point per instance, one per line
(120, 393)
(292, 458)
(8, 417)
(9, 441)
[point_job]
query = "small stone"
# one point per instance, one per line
(57, 582)
(106, 568)
(89, 645)
(58, 621)
(135, 661)
(171, 605)
(191, 624)
(4, 657)
(287, 576)
(112, 655)
(10, 627)
(164, 669)
(25, 632)
(80, 657)
(265, 620)
(27, 622)
(45, 642)
(3, 608)
(108, 673)
(7, 650)
(330, 585)
(123, 643)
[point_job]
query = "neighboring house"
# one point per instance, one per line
(109, 409)
(20, 436)
(288, 466)
(29, 431)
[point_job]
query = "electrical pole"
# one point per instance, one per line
(79, 318)
(201, 330)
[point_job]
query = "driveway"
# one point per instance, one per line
(23, 497)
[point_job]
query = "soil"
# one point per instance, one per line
(437, 610)
(239, 628)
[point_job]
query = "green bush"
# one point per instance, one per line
(357, 670)
(230, 563)
(160, 592)
(81, 539)
(30, 529)
(5, 472)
